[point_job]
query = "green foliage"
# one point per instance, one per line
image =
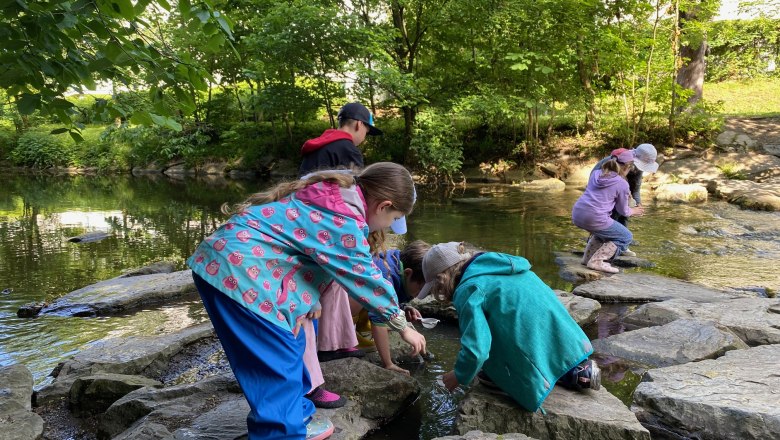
(742, 49)
(7, 137)
(732, 171)
(40, 149)
(437, 151)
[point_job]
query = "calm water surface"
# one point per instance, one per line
(153, 219)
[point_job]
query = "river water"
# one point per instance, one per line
(151, 219)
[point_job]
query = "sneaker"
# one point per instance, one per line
(325, 356)
(325, 399)
(319, 428)
(628, 253)
(491, 386)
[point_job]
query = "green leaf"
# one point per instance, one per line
(215, 43)
(226, 27)
(28, 103)
(141, 118)
(124, 8)
(59, 130)
(76, 135)
(203, 16)
(62, 103)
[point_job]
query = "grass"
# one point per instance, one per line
(750, 98)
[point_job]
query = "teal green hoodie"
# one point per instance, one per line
(514, 327)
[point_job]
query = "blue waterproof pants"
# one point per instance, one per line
(267, 361)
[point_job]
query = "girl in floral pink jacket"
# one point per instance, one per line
(261, 274)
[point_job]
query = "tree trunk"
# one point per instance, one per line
(584, 70)
(691, 74)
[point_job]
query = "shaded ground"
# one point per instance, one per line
(764, 130)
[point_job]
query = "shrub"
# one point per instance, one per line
(40, 149)
(437, 149)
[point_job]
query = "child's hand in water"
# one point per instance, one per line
(394, 367)
(450, 381)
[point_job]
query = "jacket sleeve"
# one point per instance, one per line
(347, 259)
(475, 339)
(634, 179)
(621, 203)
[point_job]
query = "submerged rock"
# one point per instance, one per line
(680, 341)
(732, 397)
(90, 237)
(569, 415)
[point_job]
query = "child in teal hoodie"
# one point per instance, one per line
(515, 333)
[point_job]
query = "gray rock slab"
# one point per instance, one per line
(227, 420)
(545, 185)
(94, 394)
(147, 356)
(773, 149)
(645, 287)
(583, 310)
(733, 397)
(571, 267)
(123, 294)
(755, 320)
(702, 170)
(759, 196)
(17, 421)
(680, 341)
(479, 435)
(681, 192)
(569, 415)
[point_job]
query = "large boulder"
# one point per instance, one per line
(94, 394)
(571, 267)
(479, 435)
(644, 287)
(17, 421)
(680, 341)
(732, 397)
(755, 320)
(567, 415)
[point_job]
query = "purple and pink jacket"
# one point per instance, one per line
(277, 258)
(604, 193)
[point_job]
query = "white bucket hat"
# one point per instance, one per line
(644, 158)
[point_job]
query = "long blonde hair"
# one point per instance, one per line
(613, 166)
(380, 181)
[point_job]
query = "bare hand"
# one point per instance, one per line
(412, 314)
(415, 339)
(450, 381)
(394, 367)
(637, 211)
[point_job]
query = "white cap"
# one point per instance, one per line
(644, 158)
(439, 258)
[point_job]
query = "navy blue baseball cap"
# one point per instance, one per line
(359, 112)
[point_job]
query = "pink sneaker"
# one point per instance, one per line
(319, 428)
(325, 399)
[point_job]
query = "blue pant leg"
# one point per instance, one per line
(267, 361)
(618, 234)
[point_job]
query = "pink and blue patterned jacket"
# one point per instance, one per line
(275, 259)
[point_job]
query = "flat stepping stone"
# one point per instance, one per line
(571, 267)
(479, 435)
(645, 287)
(732, 397)
(17, 421)
(123, 294)
(569, 414)
(755, 320)
(680, 341)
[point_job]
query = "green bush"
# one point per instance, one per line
(7, 137)
(40, 149)
(437, 149)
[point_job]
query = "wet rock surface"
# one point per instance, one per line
(124, 294)
(479, 435)
(679, 342)
(569, 414)
(572, 269)
(734, 396)
(755, 320)
(645, 287)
